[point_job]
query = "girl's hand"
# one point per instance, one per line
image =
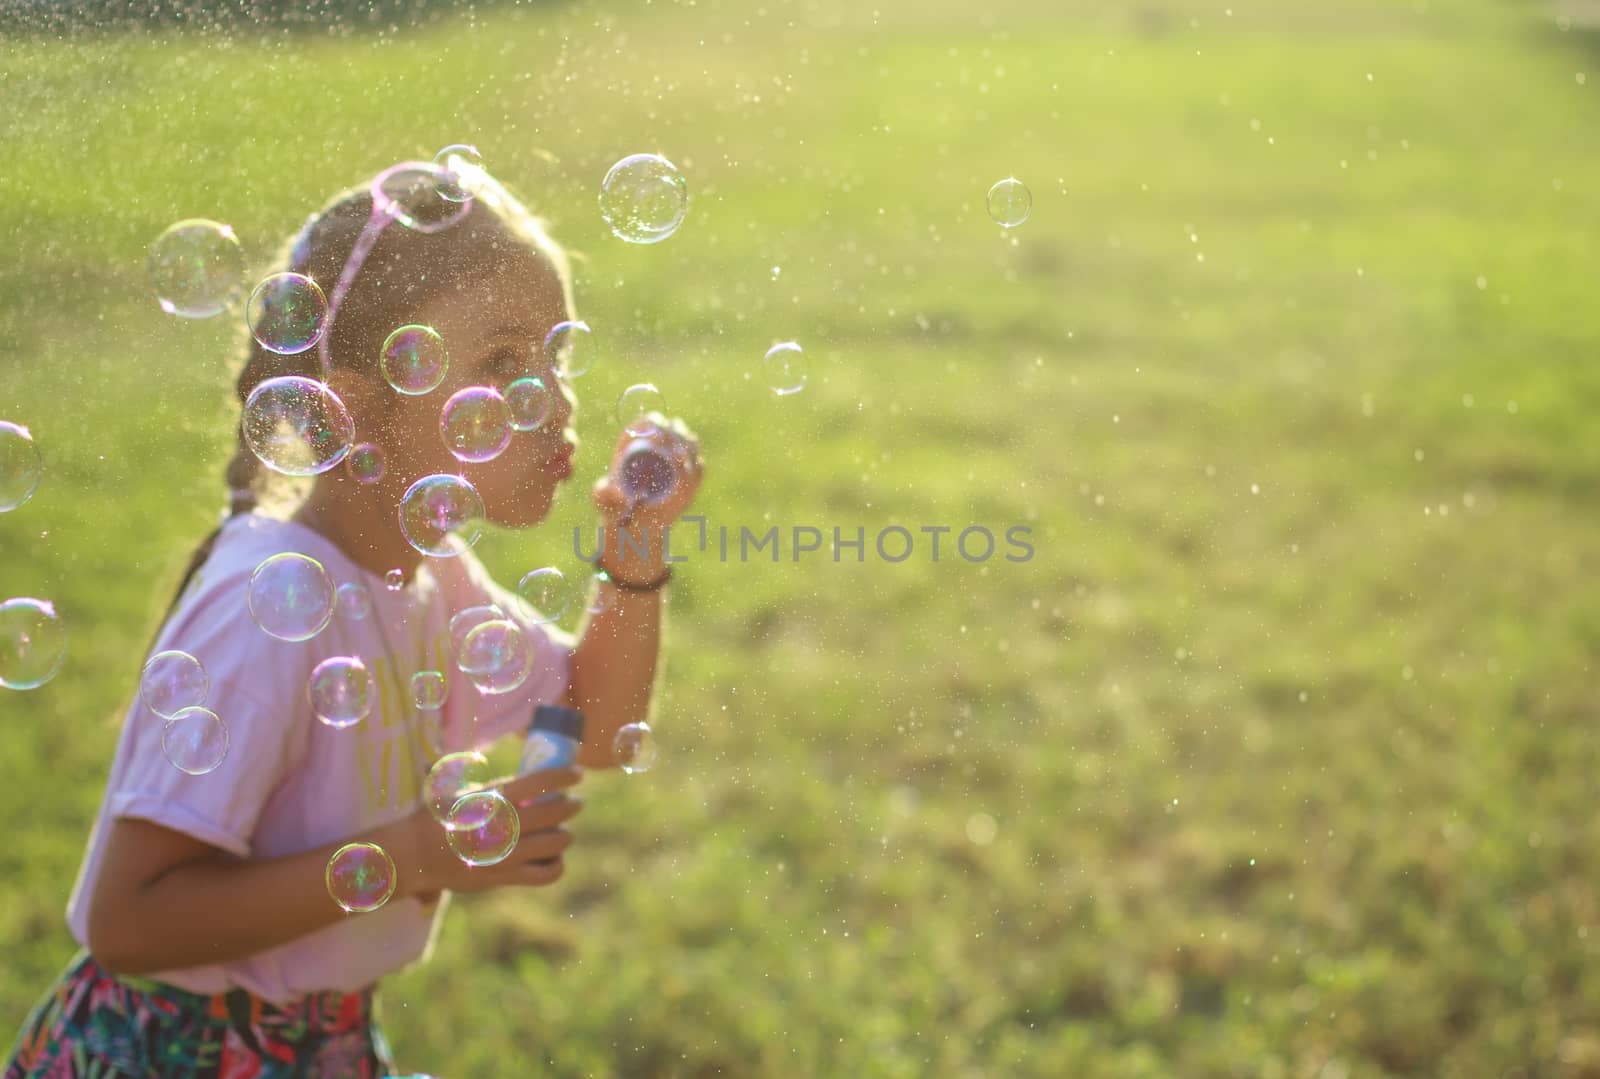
(543, 805)
(683, 447)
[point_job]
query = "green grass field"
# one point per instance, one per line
(1279, 756)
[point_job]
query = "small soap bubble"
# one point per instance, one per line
(353, 601)
(197, 268)
(287, 313)
(785, 368)
(195, 740)
(569, 348)
(602, 597)
(1010, 202)
(476, 424)
(437, 507)
(172, 681)
(360, 877)
(634, 747)
(643, 198)
(496, 656)
(365, 462)
(452, 776)
(465, 621)
(33, 642)
(635, 406)
(646, 475)
(462, 176)
(528, 401)
(19, 466)
(483, 827)
(341, 691)
(290, 597)
(414, 360)
(394, 580)
(429, 690)
(546, 594)
(297, 426)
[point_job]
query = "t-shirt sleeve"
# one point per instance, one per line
(496, 715)
(256, 689)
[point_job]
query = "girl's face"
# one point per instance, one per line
(493, 331)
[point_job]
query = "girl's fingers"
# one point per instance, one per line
(548, 811)
(543, 845)
(522, 790)
(535, 874)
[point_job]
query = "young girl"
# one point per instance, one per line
(212, 946)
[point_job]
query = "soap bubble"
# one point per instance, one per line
(33, 642)
(643, 198)
(197, 268)
(19, 466)
(287, 313)
(463, 173)
(341, 691)
(195, 740)
(785, 367)
(297, 425)
(636, 404)
(569, 347)
(172, 681)
(600, 597)
(646, 474)
(365, 462)
(634, 747)
(483, 827)
(496, 656)
(360, 877)
(353, 601)
(476, 424)
(394, 580)
(414, 360)
(290, 597)
(452, 776)
(435, 507)
(1010, 202)
(546, 594)
(528, 401)
(429, 690)
(465, 621)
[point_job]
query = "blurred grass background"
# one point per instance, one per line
(1278, 757)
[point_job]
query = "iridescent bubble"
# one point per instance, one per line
(785, 367)
(360, 877)
(287, 313)
(463, 174)
(452, 776)
(483, 827)
(197, 268)
(1010, 202)
(635, 406)
(546, 594)
(528, 401)
(394, 580)
(19, 466)
(643, 198)
(414, 360)
(634, 747)
(365, 462)
(172, 681)
(290, 597)
(434, 508)
(341, 691)
(429, 690)
(497, 657)
(195, 740)
(476, 424)
(646, 473)
(465, 621)
(297, 425)
(569, 347)
(353, 601)
(33, 642)
(601, 597)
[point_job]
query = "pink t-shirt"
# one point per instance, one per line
(290, 783)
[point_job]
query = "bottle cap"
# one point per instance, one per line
(558, 720)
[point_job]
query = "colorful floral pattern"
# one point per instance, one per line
(94, 1025)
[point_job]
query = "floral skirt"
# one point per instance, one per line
(95, 1025)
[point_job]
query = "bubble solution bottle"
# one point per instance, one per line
(553, 739)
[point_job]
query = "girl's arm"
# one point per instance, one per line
(164, 900)
(614, 666)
